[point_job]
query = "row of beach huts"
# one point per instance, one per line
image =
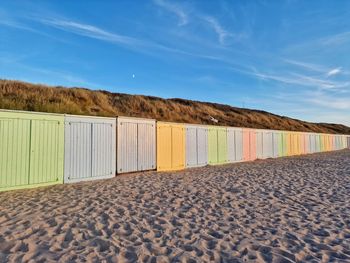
(38, 149)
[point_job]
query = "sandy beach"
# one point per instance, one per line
(279, 210)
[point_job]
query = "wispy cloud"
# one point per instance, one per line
(88, 31)
(334, 72)
(336, 39)
(306, 65)
(324, 43)
(175, 9)
(218, 28)
(296, 79)
(92, 31)
(329, 101)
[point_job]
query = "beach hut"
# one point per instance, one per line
(136, 144)
(275, 136)
(288, 143)
(249, 144)
(217, 145)
(31, 149)
(234, 145)
(259, 144)
(264, 144)
(301, 143)
(196, 145)
(348, 142)
(282, 144)
(90, 148)
(313, 142)
(267, 144)
(171, 146)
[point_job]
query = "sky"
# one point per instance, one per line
(288, 57)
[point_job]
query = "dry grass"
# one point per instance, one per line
(34, 97)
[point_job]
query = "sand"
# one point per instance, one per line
(278, 210)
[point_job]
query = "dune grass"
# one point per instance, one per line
(18, 95)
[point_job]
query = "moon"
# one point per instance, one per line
(133, 76)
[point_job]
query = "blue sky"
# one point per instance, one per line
(288, 57)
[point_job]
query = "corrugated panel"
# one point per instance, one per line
(136, 147)
(259, 144)
(31, 149)
(103, 150)
(217, 145)
(191, 146)
(298, 142)
(252, 138)
(90, 148)
(212, 146)
(146, 146)
(313, 143)
(178, 147)
(78, 151)
(306, 144)
(246, 145)
(14, 152)
(202, 146)
(239, 144)
(222, 145)
(170, 146)
(301, 143)
(344, 142)
(249, 145)
(321, 142)
(331, 143)
(234, 145)
(196, 146)
(267, 144)
(275, 136)
(295, 144)
(231, 151)
(288, 144)
(338, 142)
(327, 143)
(127, 147)
(317, 143)
(281, 145)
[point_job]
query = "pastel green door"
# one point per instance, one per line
(31, 149)
(217, 145)
(212, 146)
(280, 145)
(222, 145)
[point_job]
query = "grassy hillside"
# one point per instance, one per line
(33, 97)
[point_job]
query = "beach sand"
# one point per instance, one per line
(277, 210)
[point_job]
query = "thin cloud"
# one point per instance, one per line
(298, 80)
(331, 102)
(322, 43)
(308, 66)
(175, 9)
(219, 30)
(336, 39)
(334, 72)
(95, 32)
(88, 31)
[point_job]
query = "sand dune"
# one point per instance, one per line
(283, 210)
